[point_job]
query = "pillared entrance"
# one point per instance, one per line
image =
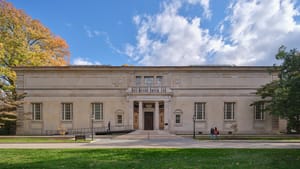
(148, 115)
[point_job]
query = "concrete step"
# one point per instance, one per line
(148, 134)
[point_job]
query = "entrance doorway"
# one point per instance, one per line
(148, 121)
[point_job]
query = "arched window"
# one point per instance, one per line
(119, 117)
(178, 117)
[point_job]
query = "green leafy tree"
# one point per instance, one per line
(283, 95)
(23, 42)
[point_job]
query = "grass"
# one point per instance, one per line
(150, 158)
(37, 140)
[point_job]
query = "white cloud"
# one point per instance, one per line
(170, 39)
(91, 33)
(249, 35)
(257, 30)
(96, 32)
(84, 61)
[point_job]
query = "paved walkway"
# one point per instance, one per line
(157, 139)
(149, 135)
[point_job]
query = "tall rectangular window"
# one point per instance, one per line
(200, 110)
(138, 80)
(36, 111)
(148, 80)
(259, 111)
(67, 111)
(98, 111)
(119, 119)
(177, 118)
(229, 110)
(159, 80)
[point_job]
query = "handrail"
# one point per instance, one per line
(86, 131)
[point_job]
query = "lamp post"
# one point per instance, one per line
(194, 119)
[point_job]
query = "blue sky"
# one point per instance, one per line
(170, 32)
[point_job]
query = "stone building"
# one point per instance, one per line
(144, 98)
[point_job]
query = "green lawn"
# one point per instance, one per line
(150, 158)
(37, 140)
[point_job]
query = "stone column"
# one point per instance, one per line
(166, 115)
(156, 116)
(130, 115)
(141, 126)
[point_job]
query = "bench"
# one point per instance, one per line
(77, 137)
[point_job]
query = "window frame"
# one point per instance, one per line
(138, 80)
(146, 82)
(159, 80)
(34, 113)
(64, 111)
(178, 112)
(118, 122)
(232, 112)
(202, 113)
(261, 112)
(118, 113)
(94, 113)
(179, 120)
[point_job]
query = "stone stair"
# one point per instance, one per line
(148, 134)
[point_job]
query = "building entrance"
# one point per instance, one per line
(148, 121)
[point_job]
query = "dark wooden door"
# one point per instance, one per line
(148, 121)
(136, 120)
(161, 120)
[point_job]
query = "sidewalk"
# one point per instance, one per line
(157, 139)
(183, 143)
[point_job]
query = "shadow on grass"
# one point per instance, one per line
(150, 158)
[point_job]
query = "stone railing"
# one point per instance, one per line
(149, 90)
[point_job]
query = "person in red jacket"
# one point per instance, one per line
(216, 132)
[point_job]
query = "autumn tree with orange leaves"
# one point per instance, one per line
(24, 42)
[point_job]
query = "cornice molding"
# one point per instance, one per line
(143, 68)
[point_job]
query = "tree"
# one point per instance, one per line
(283, 95)
(25, 42)
(8, 111)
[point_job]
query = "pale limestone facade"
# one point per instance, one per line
(145, 98)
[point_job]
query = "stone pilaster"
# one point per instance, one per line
(166, 115)
(141, 126)
(156, 116)
(130, 114)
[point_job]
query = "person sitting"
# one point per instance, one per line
(216, 132)
(212, 133)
